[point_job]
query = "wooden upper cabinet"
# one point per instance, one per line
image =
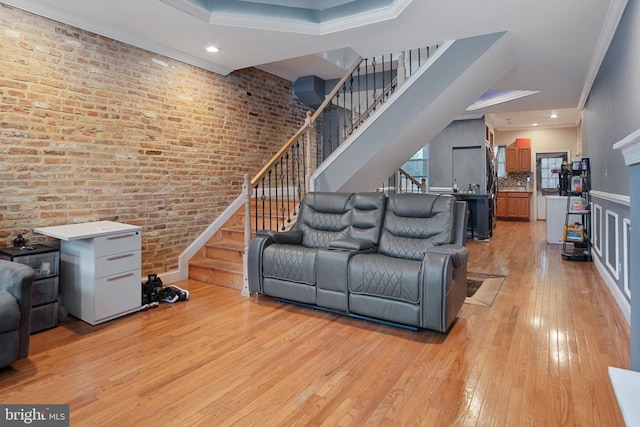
(524, 159)
(512, 159)
(518, 159)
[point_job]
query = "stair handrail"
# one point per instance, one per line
(329, 98)
(422, 184)
(308, 122)
(281, 152)
(302, 137)
(286, 176)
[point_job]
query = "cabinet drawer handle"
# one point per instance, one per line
(120, 236)
(111, 279)
(113, 258)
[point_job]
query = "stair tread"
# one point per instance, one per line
(240, 229)
(227, 244)
(217, 264)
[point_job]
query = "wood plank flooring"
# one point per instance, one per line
(537, 357)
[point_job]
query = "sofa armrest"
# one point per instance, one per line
(351, 245)
(17, 279)
(285, 237)
(459, 254)
(254, 260)
(444, 270)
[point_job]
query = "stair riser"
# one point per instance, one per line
(224, 254)
(232, 235)
(216, 277)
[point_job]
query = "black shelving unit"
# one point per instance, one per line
(45, 261)
(577, 234)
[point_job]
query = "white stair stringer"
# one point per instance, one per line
(433, 97)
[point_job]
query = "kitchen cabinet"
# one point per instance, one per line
(513, 205)
(518, 205)
(518, 159)
(501, 205)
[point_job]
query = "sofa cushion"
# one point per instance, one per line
(9, 312)
(415, 222)
(367, 216)
(383, 276)
(290, 262)
(324, 217)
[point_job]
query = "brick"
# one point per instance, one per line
(96, 129)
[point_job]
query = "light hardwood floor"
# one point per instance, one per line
(537, 357)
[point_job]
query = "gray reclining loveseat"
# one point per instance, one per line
(399, 259)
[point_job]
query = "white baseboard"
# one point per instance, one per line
(622, 302)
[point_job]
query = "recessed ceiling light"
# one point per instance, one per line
(534, 124)
(554, 116)
(212, 49)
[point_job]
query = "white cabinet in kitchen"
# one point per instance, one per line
(556, 212)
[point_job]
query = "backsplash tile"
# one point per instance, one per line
(512, 180)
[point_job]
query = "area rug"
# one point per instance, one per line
(482, 288)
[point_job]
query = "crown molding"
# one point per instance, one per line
(614, 15)
(630, 146)
(122, 36)
(309, 28)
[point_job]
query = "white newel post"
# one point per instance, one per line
(402, 72)
(246, 191)
(309, 152)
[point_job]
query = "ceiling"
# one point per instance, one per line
(558, 45)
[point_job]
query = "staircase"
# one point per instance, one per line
(417, 112)
(219, 261)
(394, 129)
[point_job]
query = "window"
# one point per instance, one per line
(548, 168)
(418, 165)
(549, 171)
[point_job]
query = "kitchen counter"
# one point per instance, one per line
(471, 195)
(514, 190)
(481, 212)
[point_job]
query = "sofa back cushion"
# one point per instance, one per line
(324, 217)
(414, 222)
(366, 216)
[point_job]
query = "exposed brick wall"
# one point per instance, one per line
(94, 129)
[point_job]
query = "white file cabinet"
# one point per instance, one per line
(99, 269)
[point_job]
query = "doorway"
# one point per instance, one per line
(548, 166)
